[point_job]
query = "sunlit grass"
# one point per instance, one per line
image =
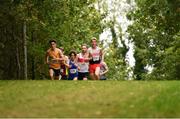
(45, 98)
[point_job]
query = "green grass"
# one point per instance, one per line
(45, 98)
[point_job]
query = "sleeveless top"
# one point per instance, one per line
(96, 55)
(73, 70)
(53, 54)
(84, 66)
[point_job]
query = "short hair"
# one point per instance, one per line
(93, 38)
(84, 45)
(72, 52)
(52, 41)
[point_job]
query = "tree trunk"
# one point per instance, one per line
(18, 63)
(114, 37)
(25, 49)
(32, 60)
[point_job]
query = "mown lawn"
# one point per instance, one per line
(45, 98)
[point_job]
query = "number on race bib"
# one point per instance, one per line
(72, 71)
(96, 58)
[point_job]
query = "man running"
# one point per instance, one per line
(53, 56)
(83, 63)
(95, 58)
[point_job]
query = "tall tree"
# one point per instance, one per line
(155, 33)
(116, 23)
(70, 22)
(25, 49)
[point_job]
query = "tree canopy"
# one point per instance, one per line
(155, 33)
(30, 24)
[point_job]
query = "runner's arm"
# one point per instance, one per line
(76, 64)
(47, 58)
(89, 57)
(106, 69)
(101, 55)
(61, 56)
(66, 63)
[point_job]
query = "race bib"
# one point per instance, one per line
(72, 71)
(95, 58)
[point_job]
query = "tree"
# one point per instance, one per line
(116, 23)
(155, 34)
(70, 22)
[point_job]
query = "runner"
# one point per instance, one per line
(53, 55)
(95, 59)
(64, 69)
(103, 70)
(83, 63)
(73, 67)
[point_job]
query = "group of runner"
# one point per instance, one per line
(88, 63)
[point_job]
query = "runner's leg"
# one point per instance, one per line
(92, 76)
(97, 72)
(56, 74)
(75, 78)
(51, 73)
(85, 76)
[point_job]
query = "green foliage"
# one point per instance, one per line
(70, 22)
(117, 66)
(155, 33)
(116, 52)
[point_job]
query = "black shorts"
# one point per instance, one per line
(56, 71)
(82, 75)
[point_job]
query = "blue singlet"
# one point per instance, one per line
(73, 71)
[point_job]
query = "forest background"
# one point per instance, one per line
(26, 26)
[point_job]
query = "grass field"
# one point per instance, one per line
(45, 98)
